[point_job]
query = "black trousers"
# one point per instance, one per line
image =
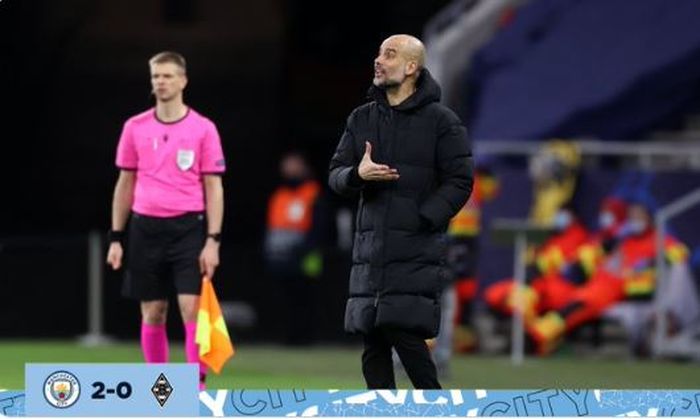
(377, 365)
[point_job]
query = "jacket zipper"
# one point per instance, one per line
(390, 162)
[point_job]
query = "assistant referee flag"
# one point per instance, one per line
(215, 347)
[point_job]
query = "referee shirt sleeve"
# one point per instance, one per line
(127, 158)
(212, 161)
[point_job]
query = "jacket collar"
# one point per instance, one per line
(427, 91)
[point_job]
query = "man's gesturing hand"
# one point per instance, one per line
(369, 170)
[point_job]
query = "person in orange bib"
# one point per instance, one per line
(292, 243)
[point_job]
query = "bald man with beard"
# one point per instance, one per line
(408, 160)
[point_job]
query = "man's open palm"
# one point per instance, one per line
(369, 170)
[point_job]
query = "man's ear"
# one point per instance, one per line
(411, 68)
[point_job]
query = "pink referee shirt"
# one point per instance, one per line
(170, 159)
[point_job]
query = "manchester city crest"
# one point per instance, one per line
(61, 389)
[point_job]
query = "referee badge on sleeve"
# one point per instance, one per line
(185, 159)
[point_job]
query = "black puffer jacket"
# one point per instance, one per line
(399, 251)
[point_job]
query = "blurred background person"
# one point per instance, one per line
(612, 216)
(457, 332)
(545, 286)
(555, 175)
(629, 274)
(296, 225)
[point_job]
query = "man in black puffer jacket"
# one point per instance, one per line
(409, 159)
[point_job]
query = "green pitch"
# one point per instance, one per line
(321, 367)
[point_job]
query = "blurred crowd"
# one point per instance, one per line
(581, 276)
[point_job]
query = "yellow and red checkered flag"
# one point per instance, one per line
(215, 347)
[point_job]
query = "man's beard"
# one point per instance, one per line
(387, 84)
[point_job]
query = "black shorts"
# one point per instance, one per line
(162, 255)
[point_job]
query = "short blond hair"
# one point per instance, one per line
(169, 57)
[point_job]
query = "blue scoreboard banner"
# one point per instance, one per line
(111, 390)
(12, 403)
(170, 390)
(439, 403)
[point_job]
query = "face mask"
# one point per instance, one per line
(635, 227)
(562, 220)
(293, 182)
(606, 220)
